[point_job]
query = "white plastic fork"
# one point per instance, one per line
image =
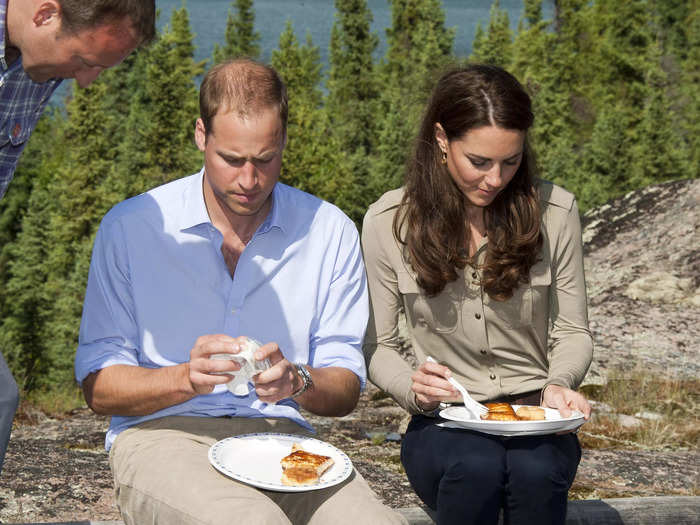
(470, 403)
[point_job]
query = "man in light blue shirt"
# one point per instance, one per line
(186, 270)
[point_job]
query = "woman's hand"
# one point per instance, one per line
(565, 400)
(431, 387)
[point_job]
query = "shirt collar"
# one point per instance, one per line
(194, 212)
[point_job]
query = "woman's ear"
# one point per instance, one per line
(441, 137)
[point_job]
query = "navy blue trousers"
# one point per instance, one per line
(9, 398)
(468, 477)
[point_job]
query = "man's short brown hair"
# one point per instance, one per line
(79, 15)
(243, 86)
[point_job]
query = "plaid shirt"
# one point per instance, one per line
(21, 103)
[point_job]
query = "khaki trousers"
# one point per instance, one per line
(162, 475)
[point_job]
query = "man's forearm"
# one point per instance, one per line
(335, 392)
(125, 390)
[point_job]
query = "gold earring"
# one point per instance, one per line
(443, 160)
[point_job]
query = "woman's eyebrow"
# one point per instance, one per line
(479, 157)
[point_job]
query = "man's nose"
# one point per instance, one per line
(247, 177)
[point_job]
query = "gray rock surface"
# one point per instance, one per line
(642, 260)
(643, 272)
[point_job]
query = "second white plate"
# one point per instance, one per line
(459, 417)
(255, 459)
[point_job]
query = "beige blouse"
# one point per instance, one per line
(494, 348)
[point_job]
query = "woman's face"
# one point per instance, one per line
(482, 161)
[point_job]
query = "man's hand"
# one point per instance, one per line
(278, 382)
(430, 386)
(565, 400)
(205, 373)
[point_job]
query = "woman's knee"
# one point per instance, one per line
(550, 467)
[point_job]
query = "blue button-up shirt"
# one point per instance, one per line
(158, 281)
(21, 103)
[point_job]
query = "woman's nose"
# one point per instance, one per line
(494, 176)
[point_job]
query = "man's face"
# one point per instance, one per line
(82, 56)
(242, 161)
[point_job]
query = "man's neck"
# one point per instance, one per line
(227, 222)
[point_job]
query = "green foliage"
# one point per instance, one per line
(352, 82)
(615, 87)
(241, 36)
(419, 47)
(495, 45)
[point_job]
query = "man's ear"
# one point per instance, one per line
(441, 137)
(200, 134)
(48, 12)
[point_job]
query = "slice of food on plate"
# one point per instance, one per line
(530, 413)
(500, 412)
(303, 468)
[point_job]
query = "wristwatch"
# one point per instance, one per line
(307, 384)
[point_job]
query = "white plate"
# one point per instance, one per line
(255, 459)
(459, 417)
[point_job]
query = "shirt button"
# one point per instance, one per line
(483, 352)
(492, 377)
(478, 316)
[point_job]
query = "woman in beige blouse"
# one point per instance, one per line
(486, 263)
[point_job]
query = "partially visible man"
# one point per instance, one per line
(41, 43)
(181, 273)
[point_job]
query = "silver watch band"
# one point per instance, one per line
(306, 378)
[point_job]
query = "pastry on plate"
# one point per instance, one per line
(303, 468)
(530, 413)
(500, 412)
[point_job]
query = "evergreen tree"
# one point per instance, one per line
(159, 146)
(495, 45)
(690, 89)
(352, 85)
(419, 47)
(533, 12)
(241, 36)
(546, 63)
(45, 278)
(351, 104)
(658, 151)
(313, 159)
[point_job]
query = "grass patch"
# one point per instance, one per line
(54, 403)
(675, 401)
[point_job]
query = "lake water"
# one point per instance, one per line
(208, 20)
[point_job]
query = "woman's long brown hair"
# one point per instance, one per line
(433, 224)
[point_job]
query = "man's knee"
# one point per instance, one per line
(138, 507)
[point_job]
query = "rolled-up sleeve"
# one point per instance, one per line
(336, 338)
(108, 330)
(386, 368)
(571, 349)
